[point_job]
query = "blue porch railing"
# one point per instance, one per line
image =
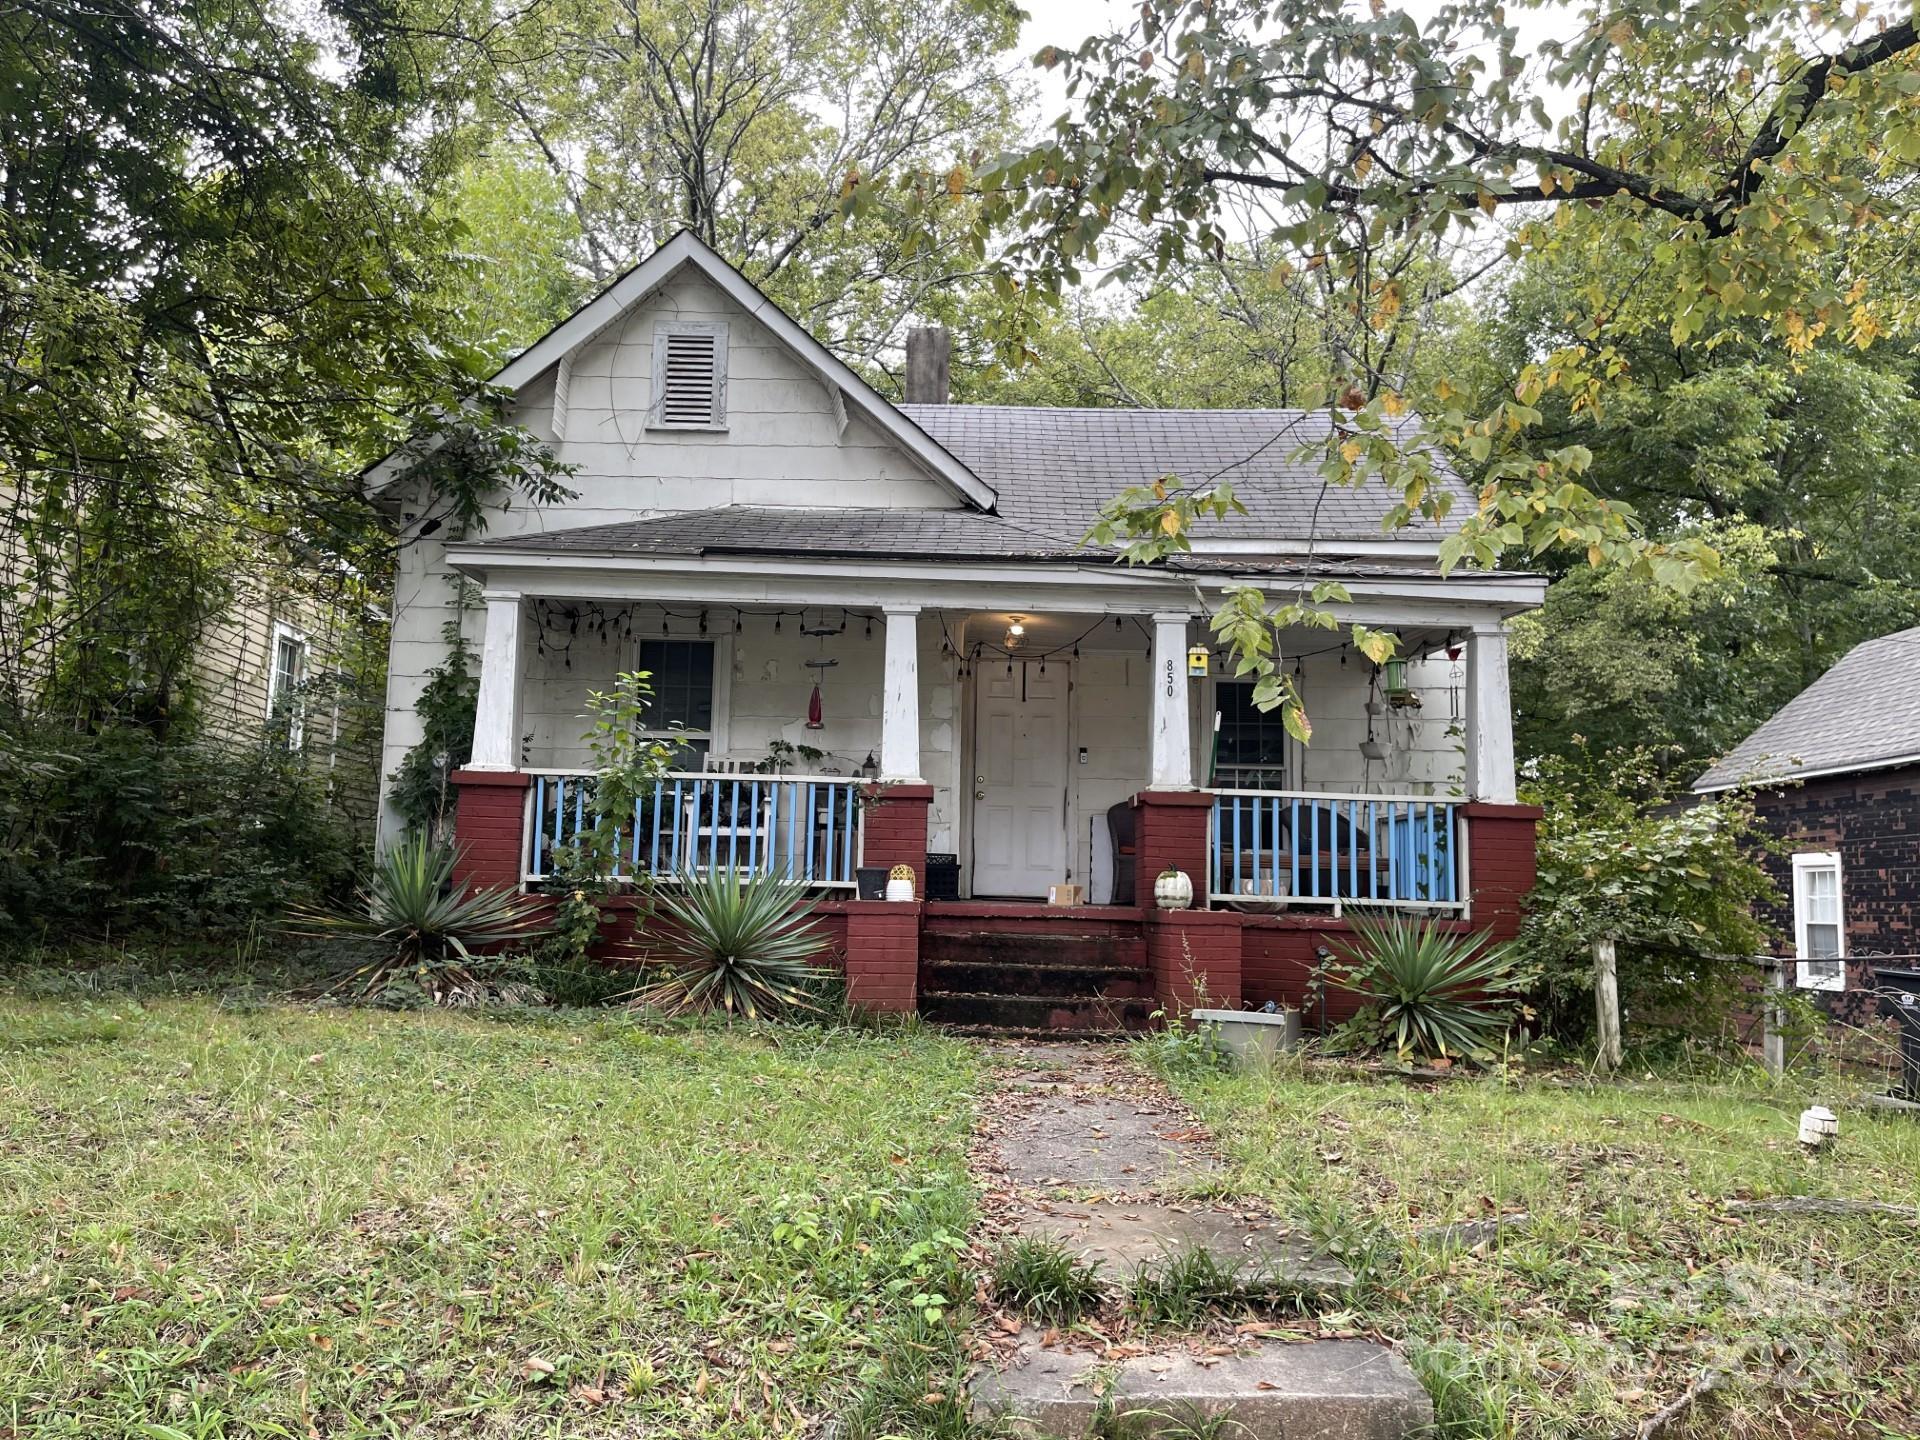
(796, 827)
(1320, 848)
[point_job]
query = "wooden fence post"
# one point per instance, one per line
(1606, 1004)
(1773, 1042)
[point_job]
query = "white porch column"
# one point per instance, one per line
(1170, 746)
(496, 711)
(1490, 773)
(900, 717)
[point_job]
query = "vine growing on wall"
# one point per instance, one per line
(423, 792)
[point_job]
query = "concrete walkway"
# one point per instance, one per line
(1079, 1144)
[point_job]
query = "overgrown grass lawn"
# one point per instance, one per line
(1637, 1276)
(293, 1222)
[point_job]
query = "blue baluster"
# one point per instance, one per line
(1293, 844)
(1393, 853)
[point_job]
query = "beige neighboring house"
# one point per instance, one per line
(287, 663)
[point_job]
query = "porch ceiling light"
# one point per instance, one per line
(1016, 632)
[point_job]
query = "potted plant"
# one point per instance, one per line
(1173, 890)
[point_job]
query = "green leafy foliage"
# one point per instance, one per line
(124, 831)
(739, 948)
(628, 767)
(422, 790)
(1430, 993)
(423, 928)
(1732, 166)
(1680, 885)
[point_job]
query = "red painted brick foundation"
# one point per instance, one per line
(1232, 958)
(1170, 832)
(1195, 956)
(1500, 864)
(486, 828)
(895, 830)
(883, 954)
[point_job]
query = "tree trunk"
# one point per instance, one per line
(1606, 1003)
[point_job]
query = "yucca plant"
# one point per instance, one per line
(1430, 992)
(745, 949)
(424, 928)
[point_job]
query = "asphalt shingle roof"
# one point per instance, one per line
(1863, 712)
(1054, 468)
(872, 534)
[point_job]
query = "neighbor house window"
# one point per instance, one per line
(1252, 752)
(1819, 934)
(286, 675)
(689, 377)
(682, 674)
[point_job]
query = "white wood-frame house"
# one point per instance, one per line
(877, 637)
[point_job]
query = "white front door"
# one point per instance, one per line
(1020, 778)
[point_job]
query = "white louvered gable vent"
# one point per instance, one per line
(689, 377)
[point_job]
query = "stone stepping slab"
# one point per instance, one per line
(1104, 1144)
(1321, 1390)
(1122, 1239)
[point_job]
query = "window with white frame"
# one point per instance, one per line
(687, 677)
(689, 376)
(286, 679)
(1819, 930)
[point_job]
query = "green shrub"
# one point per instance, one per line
(123, 830)
(1042, 1280)
(744, 949)
(1429, 992)
(1678, 883)
(420, 928)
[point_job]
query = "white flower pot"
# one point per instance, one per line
(1252, 1037)
(1173, 890)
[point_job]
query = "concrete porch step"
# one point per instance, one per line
(998, 977)
(1034, 948)
(1035, 1012)
(1320, 1390)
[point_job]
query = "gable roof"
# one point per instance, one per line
(1863, 714)
(687, 250)
(1055, 468)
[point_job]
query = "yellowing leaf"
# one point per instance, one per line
(1351, 451)
(1170, 522)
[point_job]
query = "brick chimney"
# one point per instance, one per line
(929, 352)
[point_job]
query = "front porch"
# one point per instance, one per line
(1005, 753)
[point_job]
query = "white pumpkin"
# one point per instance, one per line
(1173, 890)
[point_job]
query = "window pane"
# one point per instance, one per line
(682, 678)
(1253, 745)
(1822, 941)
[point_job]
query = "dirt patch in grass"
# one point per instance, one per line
(297, 1221)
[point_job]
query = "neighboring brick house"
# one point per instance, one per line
(1836, 775)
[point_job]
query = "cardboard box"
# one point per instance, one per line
(1066, 895)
